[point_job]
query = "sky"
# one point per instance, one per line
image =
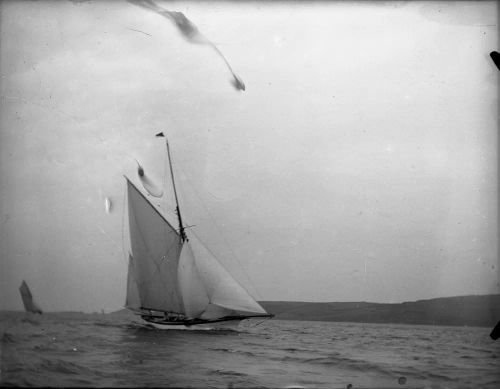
(359, 163)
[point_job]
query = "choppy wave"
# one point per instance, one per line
(74, 349)
(8, 338)
(62, 366)
(227, 373)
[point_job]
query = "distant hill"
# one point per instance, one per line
(481, 311)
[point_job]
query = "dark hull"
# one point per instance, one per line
(193, 322)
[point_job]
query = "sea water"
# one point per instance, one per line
(76, 349)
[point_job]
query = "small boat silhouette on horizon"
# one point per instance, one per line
(29, 303)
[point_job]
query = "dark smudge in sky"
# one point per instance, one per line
(495, 56)
(189, 31)
(147, 183)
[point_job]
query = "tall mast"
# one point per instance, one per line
(177, 210)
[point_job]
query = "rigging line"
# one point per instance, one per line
(164, 182)
(109, 237)
(177, 208)
(257, 294)
(167, 203)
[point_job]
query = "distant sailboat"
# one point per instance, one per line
(29, 304)
(174, 282)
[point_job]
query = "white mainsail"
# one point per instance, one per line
(156, 247)
(176, 275)
(133, 300)
(29, 304)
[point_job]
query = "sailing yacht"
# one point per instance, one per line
(29, 303)
(174, 281)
